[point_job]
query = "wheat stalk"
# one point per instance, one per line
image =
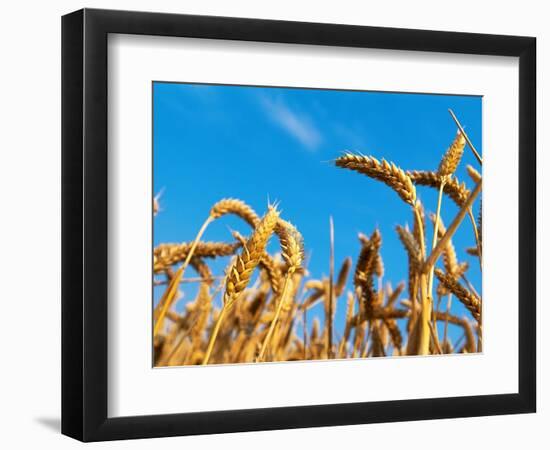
(470, 345)
(452, 228)
(330, 295)
(461, 129)
(450, 261)
(422, 325)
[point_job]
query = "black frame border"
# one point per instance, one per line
(84, 224)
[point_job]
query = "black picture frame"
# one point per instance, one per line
(84, 224)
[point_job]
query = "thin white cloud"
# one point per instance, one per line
(299, 126)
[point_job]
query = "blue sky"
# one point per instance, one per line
(264, 144)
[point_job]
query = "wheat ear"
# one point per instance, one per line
(395, 334)
(236, 207)
(267, 263)
(454, 189)
(472, 302)
(292, 248)
(241, 271)
(342, 277)
(474, 174)
(166, 255)
(384, 171)
(411, 246)
(364, 270)
(451, 158)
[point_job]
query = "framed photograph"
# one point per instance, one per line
(273, 224)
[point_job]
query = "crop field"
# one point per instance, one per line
(253, 296)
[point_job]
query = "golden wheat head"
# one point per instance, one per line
(342, 277)
(464, 295)
(292, 244)
(453, 155)
(237, 207)
(166, 255)
(457, 191)
(474, 174)
(241, 271)
(365, 269)
(384, 171)
(410, 244)
(367, 259)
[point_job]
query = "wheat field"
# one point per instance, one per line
(266, 296)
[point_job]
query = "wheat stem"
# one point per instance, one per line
(304, 314)
(434, 242)
(434, 337)
(165, 306)
(476, 235)
(425, 317)
(452, 229)
(214, 335)
(474, 151)
(447, 312)
(420, 231)
(282, 301)
(434, 239)
(424, 330)
(330, 291)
